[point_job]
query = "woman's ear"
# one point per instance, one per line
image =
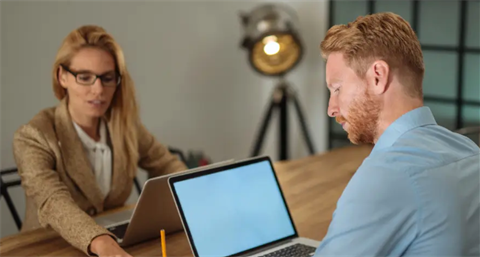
(62, 77)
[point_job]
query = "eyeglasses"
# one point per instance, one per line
(110, 79)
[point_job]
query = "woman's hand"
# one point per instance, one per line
(105, 245)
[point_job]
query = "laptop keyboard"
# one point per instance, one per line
(297, 250)
(119, 230)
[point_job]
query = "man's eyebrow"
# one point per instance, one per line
(333, 81)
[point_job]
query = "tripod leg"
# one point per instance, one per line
(263, 129)
(306, 135)
(283, 140)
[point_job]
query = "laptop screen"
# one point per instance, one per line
(233, 210)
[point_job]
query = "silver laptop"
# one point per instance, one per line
(237, 210)
(154, 210)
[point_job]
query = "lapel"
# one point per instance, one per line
(120, 188)
(75, 160)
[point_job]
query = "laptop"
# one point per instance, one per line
(237, 210)
(155, 210)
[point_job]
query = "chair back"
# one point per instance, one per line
(4, 186)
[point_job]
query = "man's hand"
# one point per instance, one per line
(105, 245)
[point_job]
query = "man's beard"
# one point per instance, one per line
(364, 113)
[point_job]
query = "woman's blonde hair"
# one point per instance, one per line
(385, 36)
(123, 111)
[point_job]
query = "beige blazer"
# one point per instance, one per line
(59, 183)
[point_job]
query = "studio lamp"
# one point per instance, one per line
(273, 49)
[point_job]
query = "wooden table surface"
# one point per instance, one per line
(311, 185)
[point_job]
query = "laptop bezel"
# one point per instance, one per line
(182, 177)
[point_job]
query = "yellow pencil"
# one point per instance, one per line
(164, 245)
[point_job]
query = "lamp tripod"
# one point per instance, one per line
(280, 99)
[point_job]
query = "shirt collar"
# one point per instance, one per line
(415, 118)
(88, 141)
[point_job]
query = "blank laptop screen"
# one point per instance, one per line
(234, 210)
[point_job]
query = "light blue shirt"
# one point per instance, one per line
(416, 194)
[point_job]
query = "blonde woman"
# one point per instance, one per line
(80, 158)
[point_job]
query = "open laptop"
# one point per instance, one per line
(238, 209)
(155, 210)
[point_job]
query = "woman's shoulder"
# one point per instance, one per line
(42, 122)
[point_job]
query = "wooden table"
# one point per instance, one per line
(311, 185)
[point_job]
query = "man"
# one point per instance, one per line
(417, 194)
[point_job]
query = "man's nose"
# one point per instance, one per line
(332, 107)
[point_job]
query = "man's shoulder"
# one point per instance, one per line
(417, 158)
(425, 148)
(437, 137)
(379, 182)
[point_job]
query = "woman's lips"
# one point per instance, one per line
(96, 103)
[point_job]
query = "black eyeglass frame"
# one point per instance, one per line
(75, 74)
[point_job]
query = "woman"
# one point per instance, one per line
(80, 158)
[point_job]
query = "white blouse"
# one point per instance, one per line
(99, 155)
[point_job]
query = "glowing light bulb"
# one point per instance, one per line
(271, 48)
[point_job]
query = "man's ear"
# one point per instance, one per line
(62, 77)
(379, 73)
